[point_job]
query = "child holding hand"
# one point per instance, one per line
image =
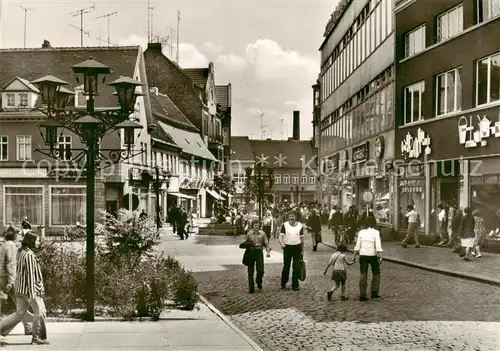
(339, 275)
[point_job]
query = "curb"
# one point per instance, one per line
(443, 271)
(226, 320)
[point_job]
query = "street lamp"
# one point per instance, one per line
(91, 126)
(262, 183)
(161, 177)
(295, 190)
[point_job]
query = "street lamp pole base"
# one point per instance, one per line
(87, 317)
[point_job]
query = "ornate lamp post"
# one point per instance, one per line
(296, 191)
(161, 178)
(91, 126)
(262, 183)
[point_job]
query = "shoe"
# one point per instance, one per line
(404, 245)
(344, 298)
(315, 248)
(251, 291)
(473, 254)
(37, 341)
(375, 296)
(283, 286)
(466, 259)
(329, 295)
(417, 246)
(479, 256)
(28, 332)
(362, 298)
(259, 286)
(296, 288)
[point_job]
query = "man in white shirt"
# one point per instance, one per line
(292, 242)
(413, 224)
(369, 248)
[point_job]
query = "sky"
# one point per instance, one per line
(267, 50)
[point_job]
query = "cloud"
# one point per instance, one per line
(290, 102)
(133, 40)
(210, 48)
(232, 61)
(190, 56)
(271, 62)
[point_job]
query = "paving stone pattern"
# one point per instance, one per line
(414, 313)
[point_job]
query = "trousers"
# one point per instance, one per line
(256, 264)
(22, 304)
(291, 253)
(374, 263)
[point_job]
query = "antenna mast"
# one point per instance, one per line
(262, 125)
(150, 22)
(80, 13)
(107, 16)
(178, 24)
(282, 130)
(26, 9)
(170, 44)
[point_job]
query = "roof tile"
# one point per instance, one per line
(198, 75)
(241, 149)
(222, 96)
(162, 107)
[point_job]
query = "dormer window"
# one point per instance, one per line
(23, 100)
(11, 100)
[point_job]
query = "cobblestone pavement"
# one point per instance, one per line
(419, 310)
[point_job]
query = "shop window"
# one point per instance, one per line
(413, 102)
(485, 196)
(67, 205)
(487, 9)
(415, 41)
(450, 23)
(21, 201)
(449, 92)
(488, 80)
(382, 204)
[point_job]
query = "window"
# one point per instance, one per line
(295, 179)
(64, 147)
(23, 147)
(23, 201)
(449, 92)
(413, 104)
(23, 100)
(4, 148)
(286, 179)
(487, 9)
(11, 100)
(67, 205)
(450, 23)
(312, 179)
(415, 41)
(303, 179)
(488, 80)
(277, 179)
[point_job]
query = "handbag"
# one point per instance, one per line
(303, 271)
(319, 239)
(246, 244)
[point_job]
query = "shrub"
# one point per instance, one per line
(130, 281)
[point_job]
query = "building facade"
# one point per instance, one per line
(354, 107)
(52, 193)
(448, 106)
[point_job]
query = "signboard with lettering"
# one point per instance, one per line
(360, 153)
(135, 174)
(411, 185)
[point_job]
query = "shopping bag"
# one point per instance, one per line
(303, 271)
(319, 239)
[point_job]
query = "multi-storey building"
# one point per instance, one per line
(354, 106)
(53, 193)
(293, 163)
(448, 106)
(223, 98)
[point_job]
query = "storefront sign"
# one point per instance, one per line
(415, 146)
(360, 153)
(474, 131)
(411, 185)
(379, 147)
(367, 196)
(135, 174)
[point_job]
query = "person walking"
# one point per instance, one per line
(369, 248)
(259, 242)
(314, 226)
(29, 289)
(292, 242)
(413, 223)
(8, 265)
(268, 224)
(182, 221)
(350, 222)
(339, 274)
(467, 235)
(479, 233)
(455, 227)
(335, 222)
(442, 224)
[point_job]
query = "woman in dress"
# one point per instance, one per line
(479, 232)
(268, 224)
(467, 236)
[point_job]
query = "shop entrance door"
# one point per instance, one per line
(362, 185)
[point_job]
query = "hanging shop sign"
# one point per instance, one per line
(411, 185)
(415, 146)
(135, 174)
(360, 153)
(474, 132)
(379, 147)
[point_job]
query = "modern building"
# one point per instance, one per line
(293, 163)
(354, 107)
(53, 193)
(448, 106)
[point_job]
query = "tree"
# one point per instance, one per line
(224, 183)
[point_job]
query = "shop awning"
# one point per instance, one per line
(183, 196)
(215, 195)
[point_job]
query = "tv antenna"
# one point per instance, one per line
(177, 46)
(282, 129)
(150, 22)
(80, 13)
(86, 32)
(170, 45)
(26, 9)
(107, 16)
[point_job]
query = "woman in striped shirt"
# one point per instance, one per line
(29, 292)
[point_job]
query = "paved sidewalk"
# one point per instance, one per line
(203, 329)
(437, 259)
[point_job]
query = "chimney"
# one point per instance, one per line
(46, 44)
(296, 125)
(154, 47)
